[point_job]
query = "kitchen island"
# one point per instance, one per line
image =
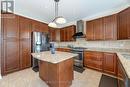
(56, 69)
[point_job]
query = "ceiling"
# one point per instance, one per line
(72, 10)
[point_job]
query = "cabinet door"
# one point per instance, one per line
(44, 27)
(110, 27)
(25, 27)
(109, 63)
(128, 23)
(70, 31)
(124, 24)
(52, 34)
(98, 29)
(25, 53)
(93, 60)
(62, 35)
(89, 31)
(11, 27)
(11, 59)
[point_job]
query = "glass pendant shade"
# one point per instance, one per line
(52, 24)
(60, 20)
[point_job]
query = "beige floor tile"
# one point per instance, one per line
(29, 78)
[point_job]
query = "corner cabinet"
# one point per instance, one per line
(124, 24)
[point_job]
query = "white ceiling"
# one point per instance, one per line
(72, 10)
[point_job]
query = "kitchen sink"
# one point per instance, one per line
(127, 56)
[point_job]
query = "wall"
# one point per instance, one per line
(119, 44)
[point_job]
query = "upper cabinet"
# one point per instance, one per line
(124, 24)
(110, 27)
(39, 26)
(11, 27)
(66, 33)
(25, 28)
(102, 29)
(53, 34)
(98, 29)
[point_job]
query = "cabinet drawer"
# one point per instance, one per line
(94, 64)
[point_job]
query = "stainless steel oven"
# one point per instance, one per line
(78, 61)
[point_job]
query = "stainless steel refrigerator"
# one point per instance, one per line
(40, 42)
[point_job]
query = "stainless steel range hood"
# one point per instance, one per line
(80, 30)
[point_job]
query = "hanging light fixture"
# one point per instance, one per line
(57, 19)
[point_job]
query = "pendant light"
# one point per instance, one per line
(57, 19)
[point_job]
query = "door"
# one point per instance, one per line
(109, 63)
(110, 27)
(11, 59)
(25, 53)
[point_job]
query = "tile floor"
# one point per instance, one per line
(28, 78)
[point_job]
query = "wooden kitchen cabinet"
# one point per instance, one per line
(102, 29)
(25, 28)
(39, 27)
(25, 53)
(64, 49)
(52, 33)
(123, 80)
(98, 29)
(66, 33)
(94, 60)
(109, 63)
(124, 24)
(63, 35)
(11, 59)
(89, 31)
(110, 27)
(11, 27)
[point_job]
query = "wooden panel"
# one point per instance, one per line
(64, 49)
(25, 27)
(93, 60)
(70, 31)
(89, 31)
(124, 24)
(110, 27)
(11, 59)
(62, 35)
(109, 63)
(11, 27)
(25, 53)
(57, 75)
(52, 33)
(98, 29)
(39, 27)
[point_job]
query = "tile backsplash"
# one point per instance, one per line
(81, 42)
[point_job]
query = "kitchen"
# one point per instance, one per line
(96, 44)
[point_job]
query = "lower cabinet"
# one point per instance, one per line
(123, 80)
(10, 60)
(93, 60)
(25, 53)
(109, 63)
(104, 62)
(16, 55)
(63, 49)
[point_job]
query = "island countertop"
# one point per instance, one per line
(53, 58)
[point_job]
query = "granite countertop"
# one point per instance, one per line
(53, 58)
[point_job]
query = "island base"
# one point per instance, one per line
(57, 75)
